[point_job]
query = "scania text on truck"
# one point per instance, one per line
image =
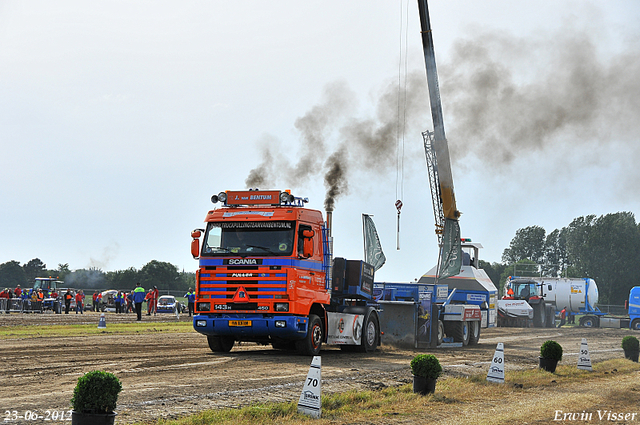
(266, 275)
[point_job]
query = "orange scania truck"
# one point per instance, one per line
(266, 275)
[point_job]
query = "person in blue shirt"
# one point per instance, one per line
(119, 300)
(138, 299)
(191, 299)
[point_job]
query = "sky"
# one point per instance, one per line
(120, 119)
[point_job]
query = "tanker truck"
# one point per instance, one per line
(528, 297)
(535, 300)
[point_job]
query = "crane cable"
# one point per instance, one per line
(402, 116)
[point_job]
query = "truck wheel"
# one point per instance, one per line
(540, 316)
(440, 332)
(474, 334)
(461, 332)
(220, 344)
(589, 322)
(551, 316)
(312, 343)
(370, 333)
(635, 325)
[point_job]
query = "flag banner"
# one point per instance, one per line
(451, 261)
(372, 247)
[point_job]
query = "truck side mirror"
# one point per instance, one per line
(195, 243)
(307, 248)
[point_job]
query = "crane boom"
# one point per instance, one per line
(439, 162)
(439, 143)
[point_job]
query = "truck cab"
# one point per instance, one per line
(263, 274)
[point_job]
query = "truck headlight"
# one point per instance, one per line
(203, 307)
(201, 323)
(281, 306)
(281, 324)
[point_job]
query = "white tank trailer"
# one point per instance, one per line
(545, 296)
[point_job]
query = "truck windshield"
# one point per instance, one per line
(525, 290)
(249, 238)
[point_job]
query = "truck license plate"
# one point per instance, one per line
(239, 322)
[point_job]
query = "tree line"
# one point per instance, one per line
(164, 275)
(604, 248)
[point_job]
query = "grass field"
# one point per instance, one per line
(527, 397)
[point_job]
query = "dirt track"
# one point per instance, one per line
(168, 375)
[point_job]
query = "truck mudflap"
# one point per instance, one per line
(252, 326)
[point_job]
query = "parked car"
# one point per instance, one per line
(168, 304)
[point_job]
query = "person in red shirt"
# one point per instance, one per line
(80, 302)
(156, 294)
(18, 291)
(563, 317)
(4, 300)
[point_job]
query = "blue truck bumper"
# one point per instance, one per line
(252, 326)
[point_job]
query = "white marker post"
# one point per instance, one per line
(102, 323)
(584, 359)
(496, 370)
(309, 403)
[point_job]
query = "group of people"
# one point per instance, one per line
(124, 302)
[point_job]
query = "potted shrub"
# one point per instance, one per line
(631, 347)
(426, 369)
(94, 398)
(550, 355)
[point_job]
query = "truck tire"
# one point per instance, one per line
(440, 332)
(311, 344)
(540, 315)
(370, 333)
(589, 322)
(474, 332)
(461, 332)
(220, 344)
(551, 316)
(635, 325)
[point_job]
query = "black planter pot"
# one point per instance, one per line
(78, 418)
(631, 355)
(422, 385)
(548, 364)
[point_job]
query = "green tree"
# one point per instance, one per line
(160, 274)
(63, 271)
(123, 279)
(35, 268)
(606, 249)
(528, 243)
(494, 271)
(12, 275)
(555, 253)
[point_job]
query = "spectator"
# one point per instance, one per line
(4, 300)
(98, 301)
(156, 294)
(68, 296)
(94, 297)
(138, 299)
(563, 317)
(18, 292)
(39, 299)
(129, 302)
(80, 302)
(191, 299)
(119, 300)
(148, 299)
